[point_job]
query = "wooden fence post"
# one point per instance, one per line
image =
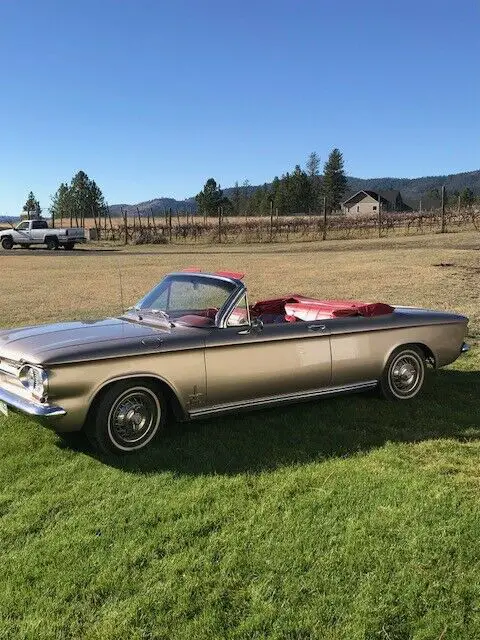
(324, 237)
(125, 223)
(170, 224)
(443, 228)
(379, 216)
(271, 219)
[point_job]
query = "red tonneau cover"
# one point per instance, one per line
(303, 308)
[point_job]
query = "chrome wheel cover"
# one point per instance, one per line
(134, 418)
(406, 374)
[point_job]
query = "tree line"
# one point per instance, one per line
(301, 191)
(80, 199)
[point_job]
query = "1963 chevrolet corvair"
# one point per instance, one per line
(195, 347)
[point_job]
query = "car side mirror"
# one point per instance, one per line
(256, 325)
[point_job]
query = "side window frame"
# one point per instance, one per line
(247, 308)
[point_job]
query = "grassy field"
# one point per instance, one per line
(350, 518)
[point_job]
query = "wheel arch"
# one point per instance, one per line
(174, 404)
(429, 354)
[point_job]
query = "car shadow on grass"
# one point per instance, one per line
(449, 407)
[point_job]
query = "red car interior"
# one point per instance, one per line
(294, 308)
(291, 308)
(298, 307)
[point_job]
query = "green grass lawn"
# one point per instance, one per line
(343, 519)
(346, 518)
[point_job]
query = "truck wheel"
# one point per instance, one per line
(7, 243)
(51, 243)
(127, 417)
(69, 246)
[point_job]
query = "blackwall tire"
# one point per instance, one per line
(127, 417)
(404, 373)
(51, 243)
(7, 243)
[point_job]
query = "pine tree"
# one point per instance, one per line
(61, 208)
(300, 189)
(210, 198)
(313, 172)
(467, 197)
(334, 180)
(245, 199)
(236, 200)
(82, 199)
(32, 205)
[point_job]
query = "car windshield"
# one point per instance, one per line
(189, 299)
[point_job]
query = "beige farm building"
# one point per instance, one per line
(366, 203)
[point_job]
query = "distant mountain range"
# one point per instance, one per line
(412, 189)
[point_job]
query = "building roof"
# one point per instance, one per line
(388, 196)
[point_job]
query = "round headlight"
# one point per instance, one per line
(35, 380)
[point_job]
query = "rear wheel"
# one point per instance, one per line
(404, 373)
(127, 417)
(7, 243)
(51, 243)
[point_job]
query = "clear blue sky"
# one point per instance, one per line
(151, 97)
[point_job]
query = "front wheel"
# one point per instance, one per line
(404, 373)
(7, 243)
(127, 418)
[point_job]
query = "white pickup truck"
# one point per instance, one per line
(37, 232)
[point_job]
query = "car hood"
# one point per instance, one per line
(76, 341)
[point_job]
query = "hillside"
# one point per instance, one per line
(412, 190)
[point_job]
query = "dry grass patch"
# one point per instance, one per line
(42, 287)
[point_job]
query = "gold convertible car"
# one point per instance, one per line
(194, 346)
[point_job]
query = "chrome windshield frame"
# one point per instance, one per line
(238, 290)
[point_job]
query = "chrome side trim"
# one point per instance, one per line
(465, 348)
(271, 401)
(30, 407)
(10, 367)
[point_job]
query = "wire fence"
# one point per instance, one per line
(180, 228)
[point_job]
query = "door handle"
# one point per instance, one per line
(316, 327)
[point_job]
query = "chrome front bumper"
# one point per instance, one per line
(30, 407)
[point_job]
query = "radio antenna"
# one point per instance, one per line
(122, 304)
